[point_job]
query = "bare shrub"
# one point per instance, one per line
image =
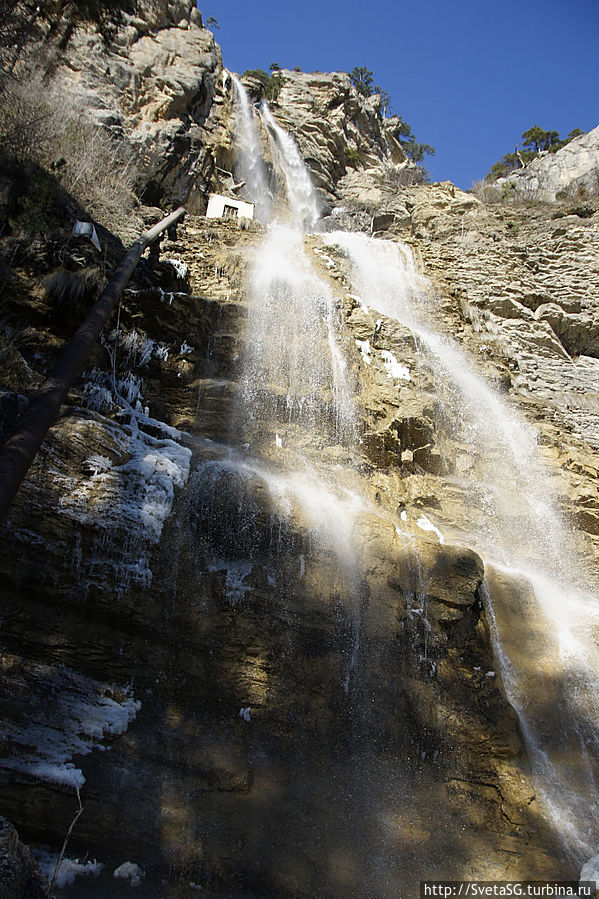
(73, 291)
(407, 174)
(487, 191)
(98, 172)
(41, 123)
(25, 120)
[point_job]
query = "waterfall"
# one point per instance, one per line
(545, 645)
(294, 376)
(294, 371)
(297, 408)
(301, 196)
(505, 481)
(250, 163)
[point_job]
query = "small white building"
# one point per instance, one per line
(227, 208)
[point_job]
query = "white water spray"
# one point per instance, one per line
(294, 372)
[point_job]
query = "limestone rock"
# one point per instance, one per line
(572, 171)
(524, 280)
(361, 669)
(157, 87)
(435, 210)
(579, 333)
(334, 126)
(249, 607)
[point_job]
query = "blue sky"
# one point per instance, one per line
(469, 76)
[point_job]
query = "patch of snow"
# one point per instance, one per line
(270, 578)
(97, 463)
(104, 394)
(590, 869)
(129, 871)
(126, 501)
(181, 268)
(137, 495)
(364, 347)
(139, 349)
(403, 515)
(170, 295)
(70, 868)
(278, 441)
(98, 398)
(425, 525)
(359, 301)
(244, 713)
(394, 368)
(237, 571)
(185, 348)
(82, 714)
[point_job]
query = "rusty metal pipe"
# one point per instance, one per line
(19, 451)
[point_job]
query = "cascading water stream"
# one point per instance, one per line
(545, 633)
(250, 163)
(295, 375)
(505, 479)
(296, 403)
(301, 197)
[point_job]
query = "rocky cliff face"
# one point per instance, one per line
(157, 87)
(524, 297)
(133, 622)
(178, 643)
(336, 128)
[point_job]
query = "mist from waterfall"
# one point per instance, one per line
(546, 647)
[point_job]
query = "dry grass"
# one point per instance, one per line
(41, 123)
(407, 174)
(73, 292)
(15, 373)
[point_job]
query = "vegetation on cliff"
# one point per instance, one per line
(49, 149)
(535, 140)
(56, 166)
(269, 84)
(363, 80)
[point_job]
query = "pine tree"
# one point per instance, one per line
(361, 78)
